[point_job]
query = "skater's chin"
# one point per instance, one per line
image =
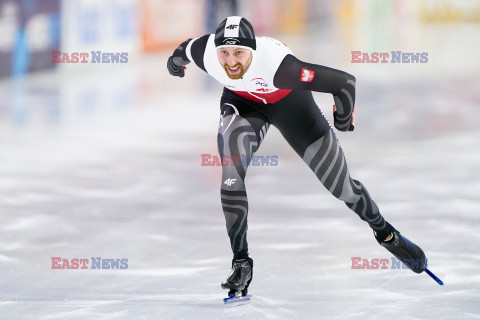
(236, 72)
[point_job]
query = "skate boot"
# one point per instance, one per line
(405, 250)
(238, 280)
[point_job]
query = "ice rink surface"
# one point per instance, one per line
(105, 162)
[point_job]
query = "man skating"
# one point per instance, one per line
(266, 84)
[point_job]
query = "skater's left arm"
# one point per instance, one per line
(296, 74)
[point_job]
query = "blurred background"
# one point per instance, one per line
(103, 159)
(320, 31)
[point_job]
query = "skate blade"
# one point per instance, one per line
(434, 277)
(236, 301)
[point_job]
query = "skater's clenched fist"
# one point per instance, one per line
(177, 61)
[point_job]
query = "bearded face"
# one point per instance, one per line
(235, 61)
(235, 72)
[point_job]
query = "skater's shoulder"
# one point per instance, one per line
(270, 51)
(269, 43)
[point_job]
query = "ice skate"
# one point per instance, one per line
(238, 281)
(405, 250)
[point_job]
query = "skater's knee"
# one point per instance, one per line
(232, 183)
(233, 178)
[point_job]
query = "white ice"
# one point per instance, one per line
(105, 163)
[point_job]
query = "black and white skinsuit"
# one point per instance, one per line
(276, 89)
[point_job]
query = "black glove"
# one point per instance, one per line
(177, 60)
(175, 70)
